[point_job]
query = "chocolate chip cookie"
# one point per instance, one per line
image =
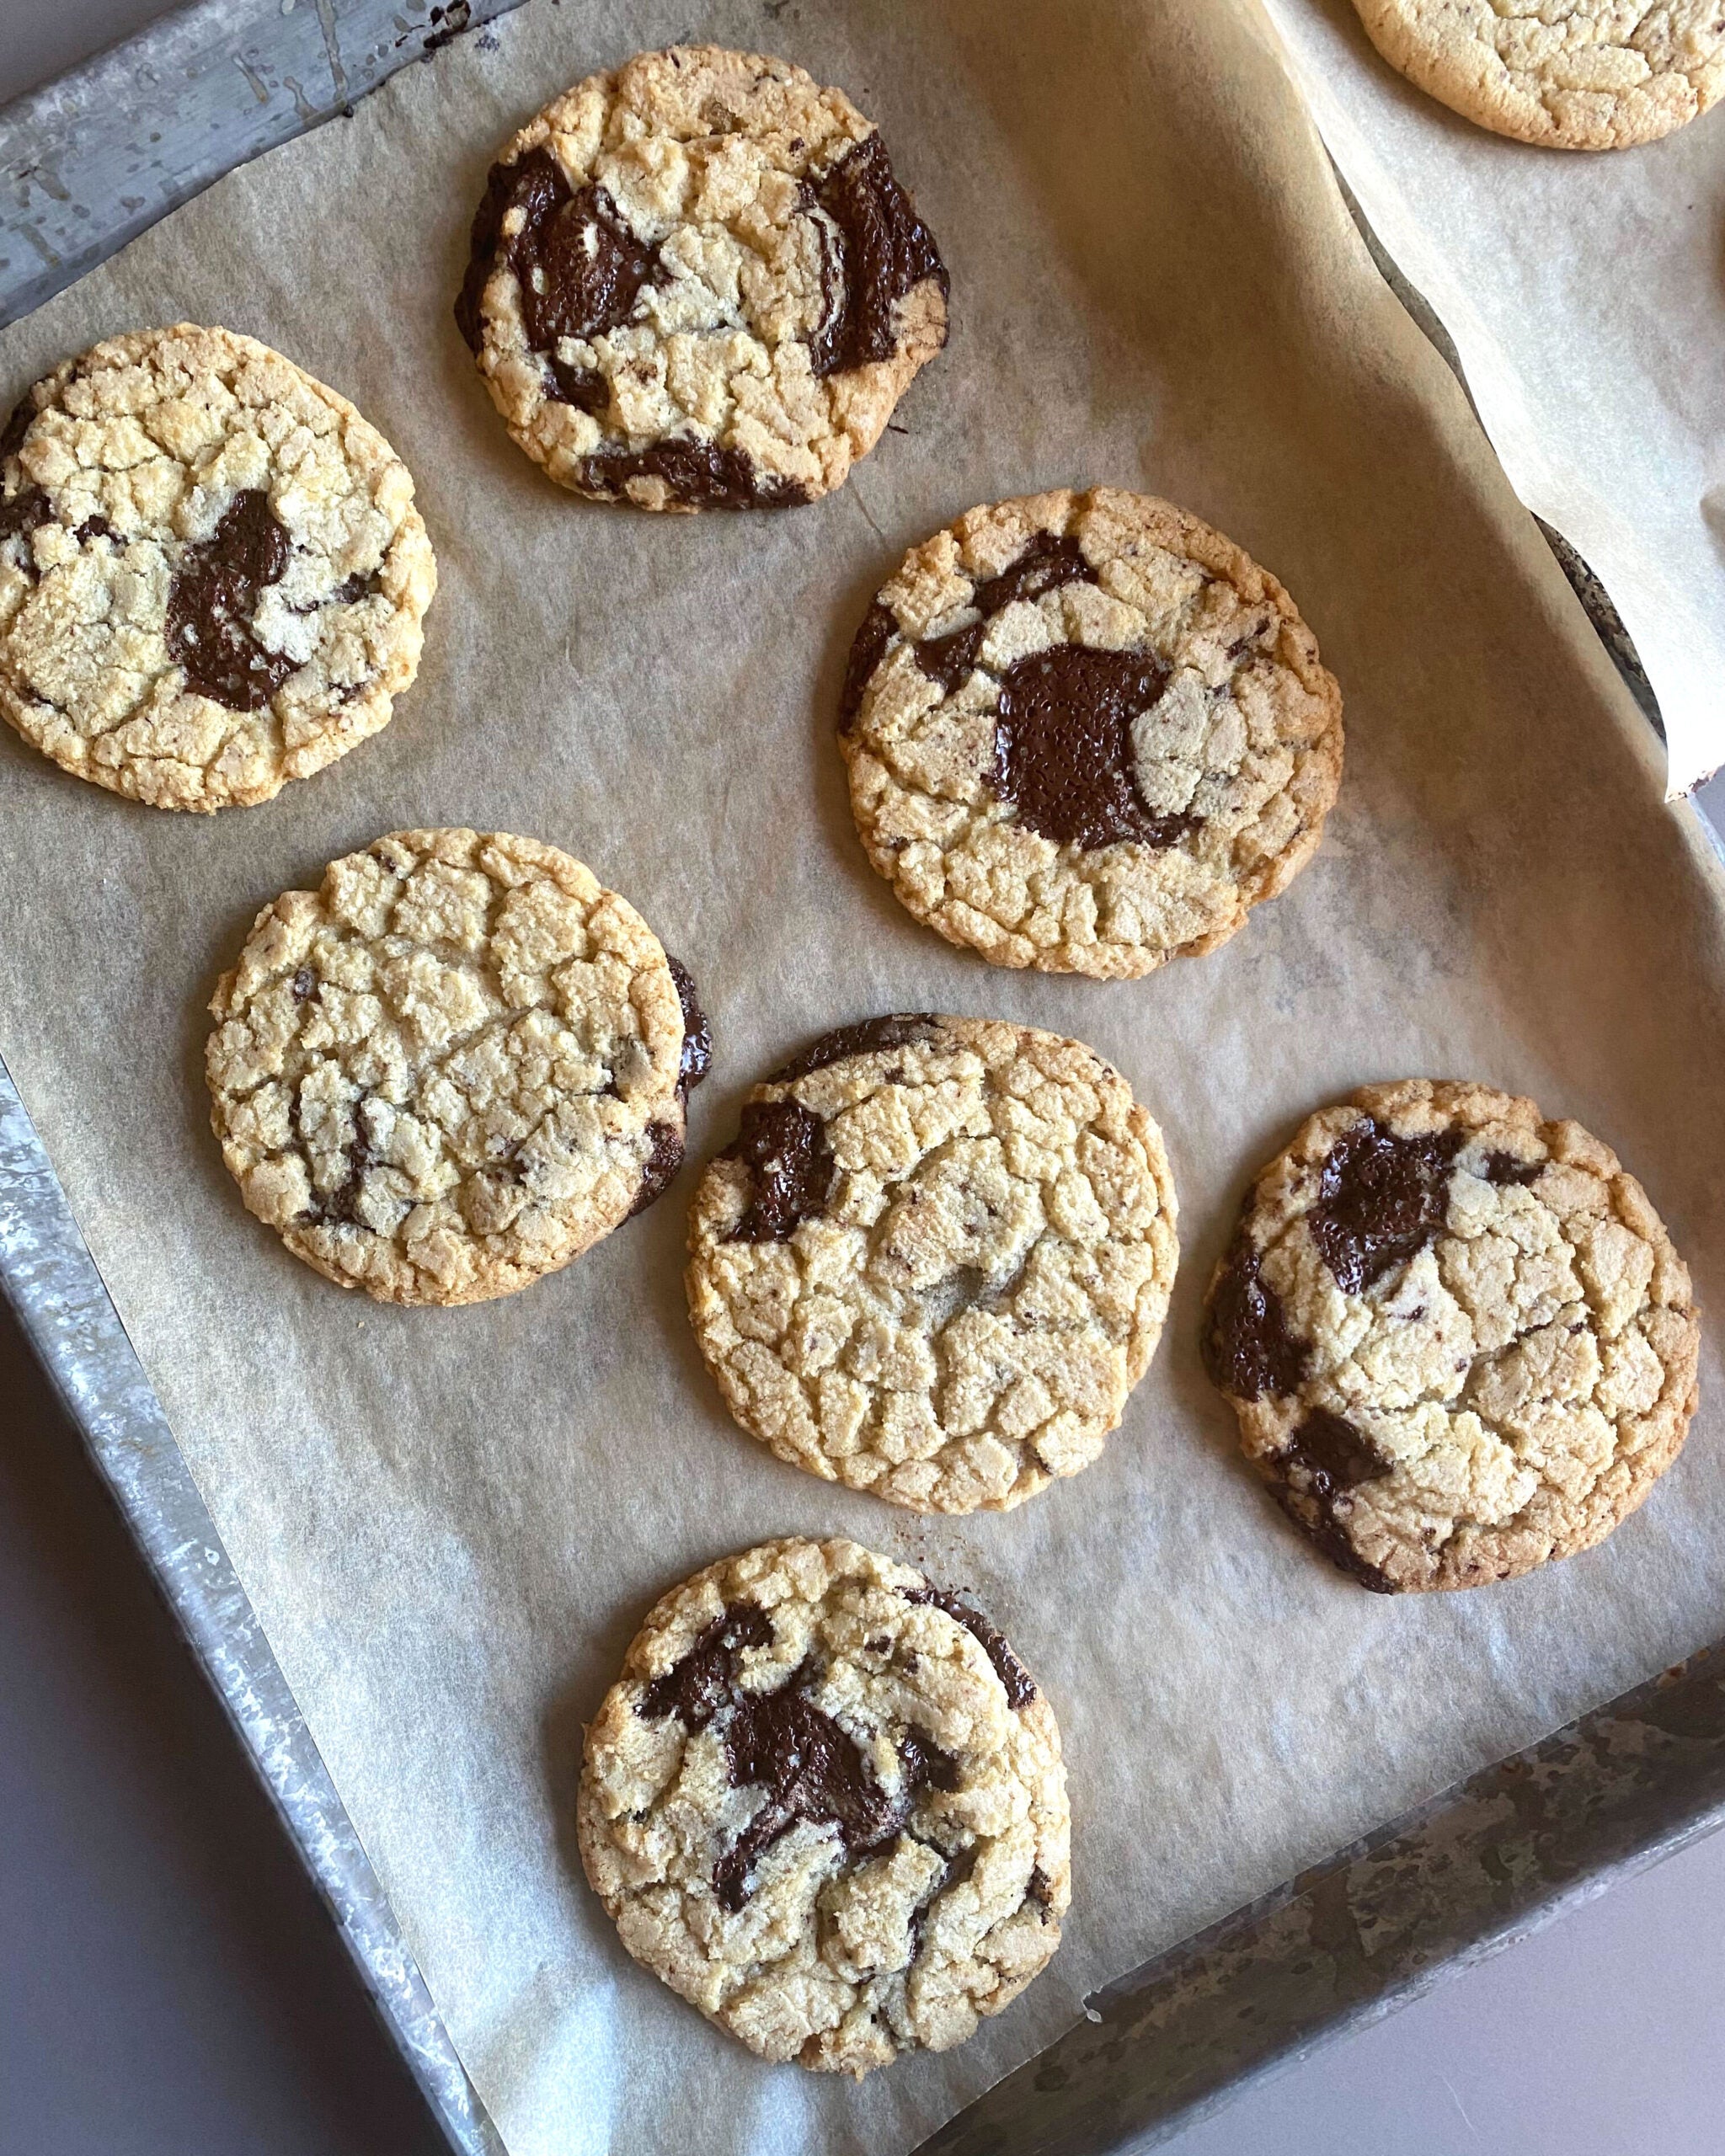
(826, 1804)
(1086, 733)
(935, 1259)
(1572, 74)
(453, 1067)
(212, 575)
(1456, 1337)
(696, 283)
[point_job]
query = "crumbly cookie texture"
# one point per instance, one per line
(935, 1260)
(212, 575)
(1456, 1337)
(1085, 733)
(695, 284)
(1571, 74)
(826, 1804)
(452, 1068)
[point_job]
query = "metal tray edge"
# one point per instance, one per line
(51, 1283)
(1168, 2043)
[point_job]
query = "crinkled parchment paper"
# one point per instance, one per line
(1586, 296)
(450, 1522)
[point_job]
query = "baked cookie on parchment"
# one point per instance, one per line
(1085, 733)
(453, 1067)
(935, 1260)
(212, 575)
(826, 1804)
(1456, 1337)
(696, 283)
(1571, 74)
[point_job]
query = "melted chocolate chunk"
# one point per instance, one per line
(213, 597)
(304, 986)
(1248, 1350)
(1063, 745)
(791, 1169)
(901, 1029)
(812, 1770)
(866, 651)
(950, 660)
(93, 528)
(26, 511)
(362, 584)
(1380, 1200)
(585, 387)
(696, 1059)
(959, 1868)
(1326, 1536)
(884, 251)
(17, 425)
(1335, 1455)
(579, 268)
(665, 1156)
(1502, 1168)
(1045, 564)
(926, 1764)
(695, 1688)
(700, 473)
(1021, 1686)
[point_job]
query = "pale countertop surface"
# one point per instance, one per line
(169, 1983)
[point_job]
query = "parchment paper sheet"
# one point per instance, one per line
(450, 1522)
(1586, 296)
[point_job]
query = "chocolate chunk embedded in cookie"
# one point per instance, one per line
(826, 1803)
(1572, 74)
(212, 575)
(935, 1259)
(1456, 1337)
(1086, 733)
(453, 1067)
(697, 283)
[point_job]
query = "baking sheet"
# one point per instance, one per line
(450, 1522)
(1586, 296)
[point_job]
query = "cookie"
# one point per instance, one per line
(1085, 733)
(212, 575)
(935, 1259)
(1456, 1337)
(695, 283)
(824, 1803)
(453, 1067)
(1572, 74)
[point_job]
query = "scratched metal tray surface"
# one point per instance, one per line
(1480, 1865)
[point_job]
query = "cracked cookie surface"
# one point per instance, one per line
(826, 1804)
(1456, 1337)
(696, 283)
(453, 1067)
(935, 1260)
(1572, 74)
(212, 575)
(1085, 733)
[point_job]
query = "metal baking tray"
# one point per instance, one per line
(1484, 1864)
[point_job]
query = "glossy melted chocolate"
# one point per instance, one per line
(901, 1029)
(1248, 1350)
(790, 1169)
(1021, 1686)
(883, 252)
(1381, 1199)
(213, 597)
